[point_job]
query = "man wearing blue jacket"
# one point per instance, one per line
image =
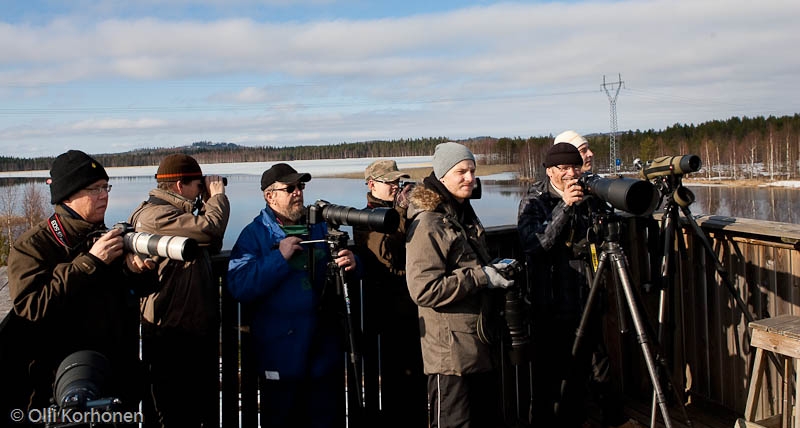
(296, 321)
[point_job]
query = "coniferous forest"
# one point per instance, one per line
(735, 148)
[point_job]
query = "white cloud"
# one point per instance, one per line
(502, 70)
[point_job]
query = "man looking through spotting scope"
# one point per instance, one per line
(296, 317)
(390, 313)
(74, 288)
(553, 222)
(449, 276)
(180, 322)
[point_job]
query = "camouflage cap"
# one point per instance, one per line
(383, 170)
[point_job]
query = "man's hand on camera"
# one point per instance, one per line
(573, 193)
(289, 245)
(346, 259)
(108, 247)
(496, 280)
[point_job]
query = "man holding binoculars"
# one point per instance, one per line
(180, 322)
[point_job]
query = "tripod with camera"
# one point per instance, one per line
(612, 257)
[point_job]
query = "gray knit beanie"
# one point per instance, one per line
(447, 155)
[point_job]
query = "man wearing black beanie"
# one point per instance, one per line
(554, 218)
(71, 285)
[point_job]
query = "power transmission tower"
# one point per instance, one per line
(608, 88)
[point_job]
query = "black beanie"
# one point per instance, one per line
(176, 167)
(562, 154)
(71, 172)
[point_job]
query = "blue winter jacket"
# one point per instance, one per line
(296, 335)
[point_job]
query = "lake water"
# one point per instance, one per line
(497, 206)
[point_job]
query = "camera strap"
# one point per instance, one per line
(54, 224)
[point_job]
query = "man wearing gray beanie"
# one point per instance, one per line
(447, 155)
(449, 275)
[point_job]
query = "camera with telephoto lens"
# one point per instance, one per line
(383, 220)
(638, 197)
(514, 312)
(81, 381)
(172, 247)
(668, 165)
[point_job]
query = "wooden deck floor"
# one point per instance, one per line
(700, 416)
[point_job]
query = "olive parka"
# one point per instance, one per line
(445, 252)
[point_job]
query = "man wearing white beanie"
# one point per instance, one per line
(449, 275)
(580, 143)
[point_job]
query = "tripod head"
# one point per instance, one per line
(672, 190)
(607, 226)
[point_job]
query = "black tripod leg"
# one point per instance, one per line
(580, 332)
(351, 334)
(669, 238)
(621, 275)
(723, 274)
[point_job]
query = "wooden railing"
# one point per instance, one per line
(706, 345)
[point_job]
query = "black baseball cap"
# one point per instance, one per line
(284, 173)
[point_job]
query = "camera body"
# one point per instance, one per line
(512, 268)
(172, 247)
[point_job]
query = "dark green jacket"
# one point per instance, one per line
(68, 300)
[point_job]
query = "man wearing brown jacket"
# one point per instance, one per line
(180, 322)
(74, 289)
(391, 329)
(449, 275)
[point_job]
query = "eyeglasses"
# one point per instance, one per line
(94, 191)
(292, 187)
(390, 183)
(568, 168)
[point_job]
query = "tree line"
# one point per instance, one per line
(733, 148)
(737, 148)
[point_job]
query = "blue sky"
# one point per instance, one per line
(110, 76)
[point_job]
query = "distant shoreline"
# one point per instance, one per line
(422, 172)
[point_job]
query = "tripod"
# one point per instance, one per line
(336, 241)
(678, 199)
(612, 254)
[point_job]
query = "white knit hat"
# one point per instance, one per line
(571, 137)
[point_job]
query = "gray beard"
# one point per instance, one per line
(293, 214)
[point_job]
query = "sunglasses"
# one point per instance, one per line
(391, 183)
(292, 187)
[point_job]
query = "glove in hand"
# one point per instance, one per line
(496, 280)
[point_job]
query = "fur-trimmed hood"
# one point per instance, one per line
(423, 199)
